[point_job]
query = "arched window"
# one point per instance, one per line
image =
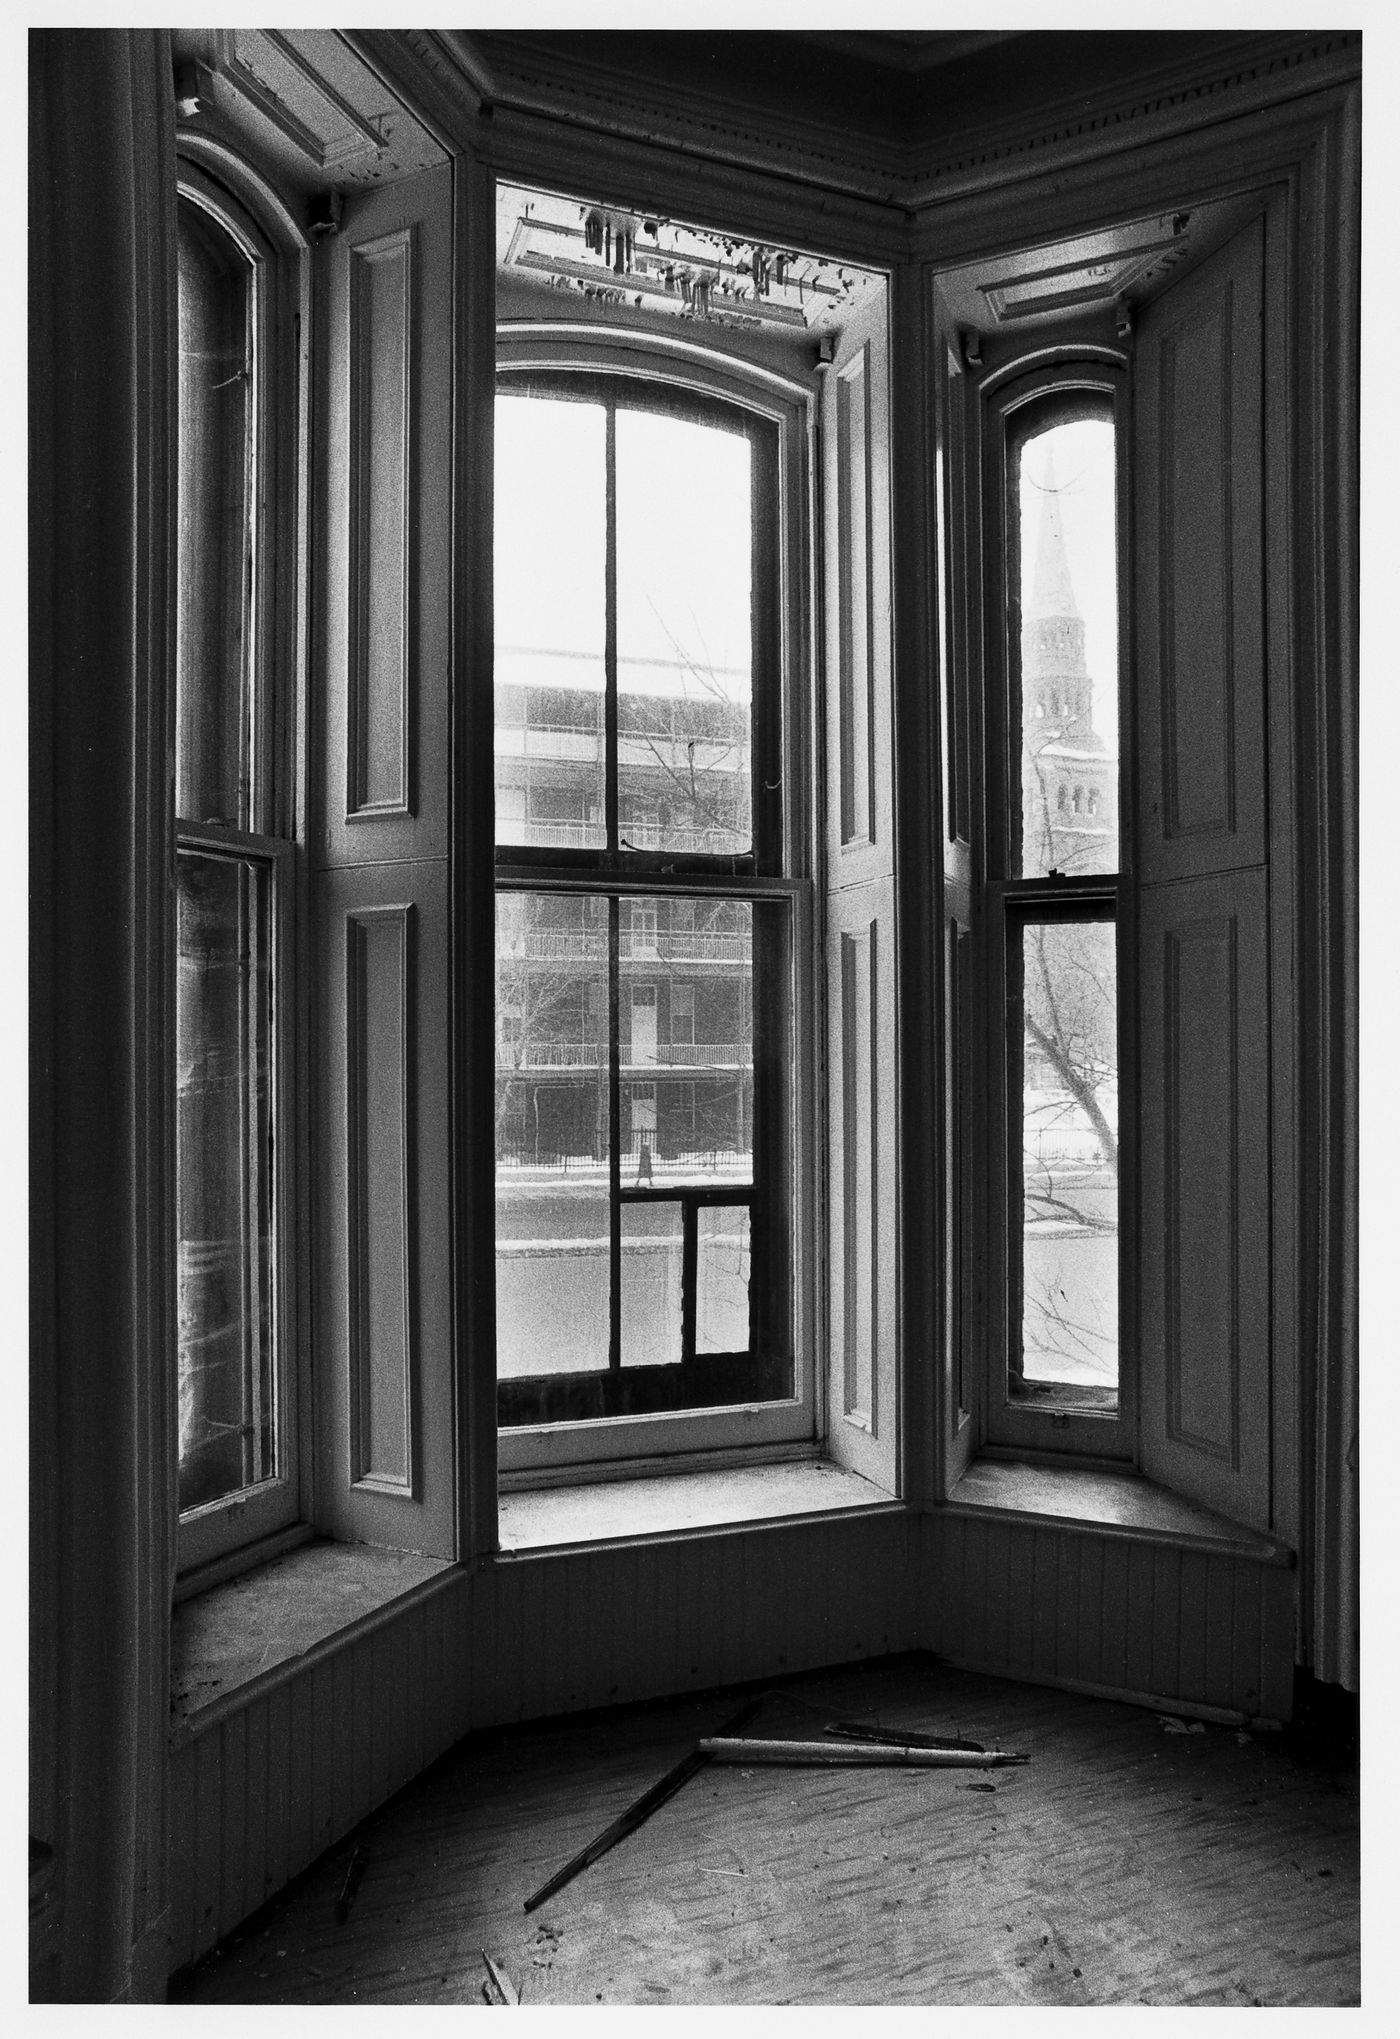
(636, 548)
(233, 897)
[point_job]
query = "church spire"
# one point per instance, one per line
(1053, 591)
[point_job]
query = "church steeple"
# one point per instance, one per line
(1053, 590)
(1057, 690)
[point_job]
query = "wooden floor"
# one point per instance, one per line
(1126, 1863)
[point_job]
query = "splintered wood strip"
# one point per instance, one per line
(1122, 1864)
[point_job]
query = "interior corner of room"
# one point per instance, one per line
(693, 994)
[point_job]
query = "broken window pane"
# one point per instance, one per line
(722, 1278)
(652, 1255)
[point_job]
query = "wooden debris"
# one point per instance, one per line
(498, 1987)
(354, 1870)
(641, 1809)
(738, 1749)
(907, 1738)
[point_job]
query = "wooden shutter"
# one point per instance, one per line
(862, 1120)
(1200, 861)
(382, 1265)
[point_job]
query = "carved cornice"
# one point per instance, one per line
(893, 167)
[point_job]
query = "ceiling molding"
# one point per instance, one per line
(592, 87)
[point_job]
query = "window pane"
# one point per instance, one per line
(1069, 651)
(224, 1185)
(685, 1049)
(552, 1148)
(684, 635)
(214, 523)
(722, 1263)
(653, 1246)
(1069, 1120)
(550, 599)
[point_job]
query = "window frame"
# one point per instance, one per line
(1078, 379)
(242, 205)
(685, 379)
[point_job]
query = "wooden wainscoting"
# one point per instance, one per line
(265, 1787)
(1098, 1610)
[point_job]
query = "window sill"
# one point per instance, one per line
(680, 1504)
(240, 1633)
(1117, 1504)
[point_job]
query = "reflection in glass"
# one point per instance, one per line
(1069, 651)
(1069, 1121)
(550, 602)
(214, 526)
(684, 635)
(653, 1247)
(552, 1143)
(722, 1278)
(223, 1181)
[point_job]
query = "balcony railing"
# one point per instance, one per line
(682, 945)
(690, 1055)
(521, 1057)
(580, 945)
(542, 833)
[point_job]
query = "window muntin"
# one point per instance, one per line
(237, 1446)
(642, 1146)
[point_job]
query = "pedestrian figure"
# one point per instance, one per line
(644, 1164)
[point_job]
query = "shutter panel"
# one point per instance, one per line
(862, 1116)
(1201, 906)
(382, 1262)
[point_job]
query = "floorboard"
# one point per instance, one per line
(1125, 1863)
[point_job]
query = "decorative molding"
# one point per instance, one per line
(378, 705)
(380, 1328)
(510, 72)
(357, 138)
